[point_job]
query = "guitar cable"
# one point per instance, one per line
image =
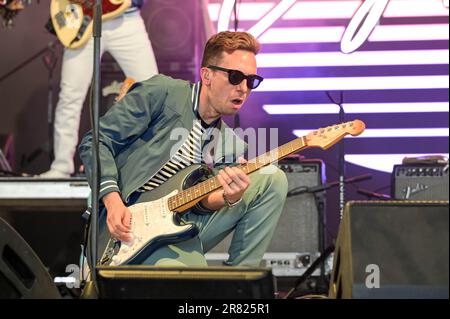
(87, 217)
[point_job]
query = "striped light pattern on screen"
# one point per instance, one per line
(310, 10)
(397, 81)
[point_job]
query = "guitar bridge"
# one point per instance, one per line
(113, 247)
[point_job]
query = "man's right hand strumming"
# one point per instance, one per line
(118, 217)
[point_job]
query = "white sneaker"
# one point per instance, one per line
(53, 174)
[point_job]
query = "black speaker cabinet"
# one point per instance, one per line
(22, 274)
(392, 249)
(187, 282)
(52, 227)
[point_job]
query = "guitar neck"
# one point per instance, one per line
(189, 197)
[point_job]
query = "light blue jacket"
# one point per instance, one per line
(136, 136)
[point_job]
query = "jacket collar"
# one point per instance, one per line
(195, 96)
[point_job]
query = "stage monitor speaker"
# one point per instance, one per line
(22, 274)
(420, 182)
(392, 249)
(52, 227)
(185, 283)
(298, 228)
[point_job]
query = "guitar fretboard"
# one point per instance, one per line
(191, 194)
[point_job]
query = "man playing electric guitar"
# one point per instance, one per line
(163, 126)
(126, 38)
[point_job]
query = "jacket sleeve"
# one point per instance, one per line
(121, 125)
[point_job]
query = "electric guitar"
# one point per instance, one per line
(73, 19)
(156, 216)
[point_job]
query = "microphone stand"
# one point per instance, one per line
(324, 253)
(305, 189)
(371, 194)
(95, 102)
(50, 60)
(50, 46)
(341, 154)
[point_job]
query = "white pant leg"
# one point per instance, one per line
(76, 76)
(127, 40)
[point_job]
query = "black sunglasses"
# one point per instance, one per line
(235, 77)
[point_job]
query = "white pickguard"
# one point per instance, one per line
(73, 15)
(149, 220)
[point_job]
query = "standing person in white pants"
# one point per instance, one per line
(126, 39)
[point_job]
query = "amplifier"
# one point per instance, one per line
(392, 249)
(281, 264)
(420, 182)
(296, 240)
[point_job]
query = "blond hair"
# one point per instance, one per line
(228, 41)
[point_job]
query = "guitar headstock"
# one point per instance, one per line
(125, 87)
(330, 135)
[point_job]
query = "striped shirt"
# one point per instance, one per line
(189, 153)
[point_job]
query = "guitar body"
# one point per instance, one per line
(73, 22)
(153, 224)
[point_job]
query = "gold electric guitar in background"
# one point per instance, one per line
(73, 19)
